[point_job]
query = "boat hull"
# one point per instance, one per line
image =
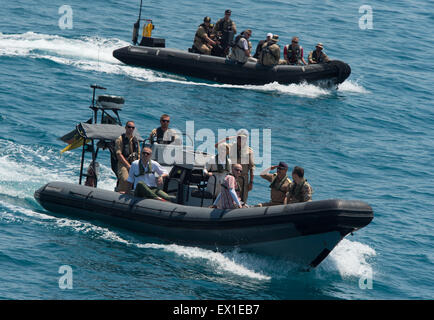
(224, 71)
(304, 233)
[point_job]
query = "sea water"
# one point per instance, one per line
(370, 139)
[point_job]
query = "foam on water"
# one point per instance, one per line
(21, 172)
(95, 54)
(350, 259)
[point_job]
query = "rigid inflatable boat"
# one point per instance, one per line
(222, 70)
(302, 232)
(152, 53)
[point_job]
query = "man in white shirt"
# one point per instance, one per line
(143, 180)
(241, 51)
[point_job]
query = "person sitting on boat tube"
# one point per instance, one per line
(241, 51)
(299, 190)
(293, 53)
(127, 150)
(143, 180)
(280, 184)
(318, 55)
(270, 53)
(230, 196)
(163, 134)
(202, 40)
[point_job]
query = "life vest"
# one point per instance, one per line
(143, 171)
(267, 57)
(277, 186)
(130, 157)
(238, 54)
(227, 31)
(198, 38)
(221, 26)
(316, 58)
(294, 55)
(159, 137)
(296, 190)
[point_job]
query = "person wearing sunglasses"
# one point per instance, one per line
(293, 53)
(163, 134)
(142, 177)
(127, 150)
(279, 184)
(230, 195)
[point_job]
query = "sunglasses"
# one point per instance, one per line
(130, 127)
(294, 41)
(165, 120)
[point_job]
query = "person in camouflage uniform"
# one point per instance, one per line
(279, 184)
(202, 39)
(270, 53)
(299, 190)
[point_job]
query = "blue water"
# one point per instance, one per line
(370, 139)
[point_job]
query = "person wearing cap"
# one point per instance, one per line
(279, 184)
(241, 51)
(226, 29)
(299, 190)
(318, 55)
(293, 53)
(260, 44)
(241, 153)
(202, 39)
(270, 54)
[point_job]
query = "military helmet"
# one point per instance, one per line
(207, 19)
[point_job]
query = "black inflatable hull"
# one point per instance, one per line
(223, 71)
(305, 232)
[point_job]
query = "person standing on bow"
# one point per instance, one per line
(143, 180)
(127, 150)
